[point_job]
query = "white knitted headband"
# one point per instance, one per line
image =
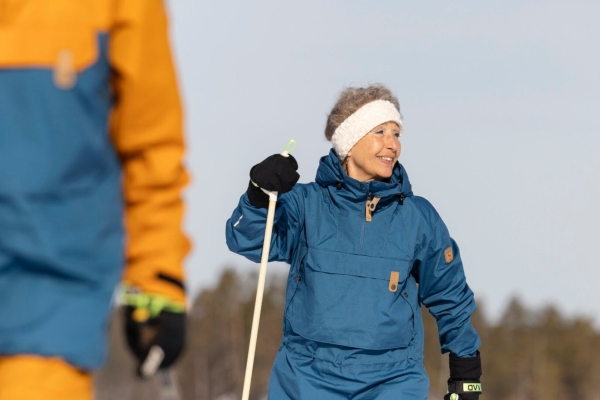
(362, 122)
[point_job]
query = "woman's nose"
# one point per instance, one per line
(392, 142)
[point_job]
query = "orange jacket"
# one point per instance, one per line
(91, 134)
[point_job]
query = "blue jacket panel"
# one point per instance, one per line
(61, 227)
(310, 370)
(341, 287)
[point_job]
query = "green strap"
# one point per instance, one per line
(290, 146)
(467, 387)
(471, 387)
(151, 302)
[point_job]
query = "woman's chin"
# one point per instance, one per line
(385, 173)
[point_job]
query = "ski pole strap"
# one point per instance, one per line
(460, 387)
(289, 147)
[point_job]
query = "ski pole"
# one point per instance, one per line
(291, 145)
(150, 366)
(149, 369)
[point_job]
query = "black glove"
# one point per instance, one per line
(146, 332)
(465, 375)
(275, 173)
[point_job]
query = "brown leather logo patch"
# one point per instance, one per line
(449, 255)
(65, 75)
(394, 278)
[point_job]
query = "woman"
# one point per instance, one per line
(364, 253)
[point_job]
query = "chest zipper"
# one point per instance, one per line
(370, 207)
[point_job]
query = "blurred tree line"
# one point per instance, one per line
(527, 354)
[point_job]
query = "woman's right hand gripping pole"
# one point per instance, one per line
(276, 173)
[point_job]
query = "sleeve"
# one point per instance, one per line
(245, 230)
(443, 288)
(147, 131)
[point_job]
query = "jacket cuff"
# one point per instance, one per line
(465, 368)
(153, 303)
(157, 284)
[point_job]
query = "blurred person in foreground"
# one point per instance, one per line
(365, 253)
(91, 175)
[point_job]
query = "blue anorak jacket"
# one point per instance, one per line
(357, 280)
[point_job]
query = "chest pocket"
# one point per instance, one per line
(350, 300)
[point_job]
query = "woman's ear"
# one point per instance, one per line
(349, 154)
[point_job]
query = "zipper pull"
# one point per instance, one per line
(370, 207)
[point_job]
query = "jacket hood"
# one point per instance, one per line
(331, 172)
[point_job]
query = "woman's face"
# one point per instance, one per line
(373, 157)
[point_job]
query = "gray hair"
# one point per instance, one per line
(353, 98)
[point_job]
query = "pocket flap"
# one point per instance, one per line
(334, 262)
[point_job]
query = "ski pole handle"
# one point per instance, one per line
(289, 147)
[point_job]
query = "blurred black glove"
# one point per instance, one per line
(465, 375)
(154, 325)
(275, 173)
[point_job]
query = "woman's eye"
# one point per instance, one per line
(397, 134)
(379, 132)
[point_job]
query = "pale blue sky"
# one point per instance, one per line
(500, 103)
